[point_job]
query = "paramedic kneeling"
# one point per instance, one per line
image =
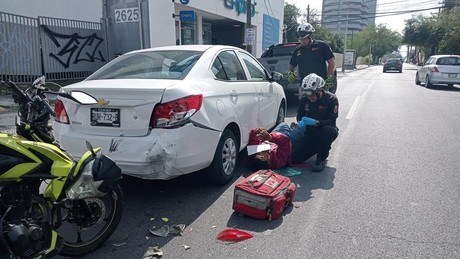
(321, 109)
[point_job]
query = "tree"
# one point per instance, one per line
(423, 32)
(379, 40)
(436, 34)
(335, 41)
(449, 20)
(291, 15)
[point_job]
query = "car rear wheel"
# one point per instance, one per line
(428, 83)
(223, 165)
(417, 80)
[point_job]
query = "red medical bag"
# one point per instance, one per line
(263, 194)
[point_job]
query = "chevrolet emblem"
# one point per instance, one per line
(102, 102)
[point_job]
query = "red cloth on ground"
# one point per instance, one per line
(280, 148)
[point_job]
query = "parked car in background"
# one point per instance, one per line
(439, 69)
(277, 58)
(169, 111)
(395, 64)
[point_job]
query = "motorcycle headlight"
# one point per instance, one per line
(85, 186)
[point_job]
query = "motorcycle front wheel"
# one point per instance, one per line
(90, 222)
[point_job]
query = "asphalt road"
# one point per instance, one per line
(391, 188)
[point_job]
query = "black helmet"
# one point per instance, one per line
(305, 30)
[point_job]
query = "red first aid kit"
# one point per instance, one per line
(263, 194)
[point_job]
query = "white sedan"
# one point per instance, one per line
(168, 111)
(439, 69)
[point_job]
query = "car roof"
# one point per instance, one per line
(443, 56)
(288, 44)
(184, 47)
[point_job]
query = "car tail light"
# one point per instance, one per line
(61, 113)
(434, 69)
(171, 114)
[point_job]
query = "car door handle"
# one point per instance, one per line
(234, 93)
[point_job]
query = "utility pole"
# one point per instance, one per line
(248, 23)
(345, 43)
(308, 13)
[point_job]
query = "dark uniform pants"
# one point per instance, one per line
(318, 142)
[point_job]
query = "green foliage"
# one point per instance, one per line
(437, 34)
(291, 15)
(379, 40)
(450, 22)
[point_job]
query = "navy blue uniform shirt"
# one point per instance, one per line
(325, 109)
(312, 58)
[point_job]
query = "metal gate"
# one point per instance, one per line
(56, 48)
(20, 59)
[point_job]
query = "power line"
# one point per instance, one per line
(381, 14)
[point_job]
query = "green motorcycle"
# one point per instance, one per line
(50, 203)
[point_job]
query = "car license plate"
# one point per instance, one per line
(105, 117)
(452, 75)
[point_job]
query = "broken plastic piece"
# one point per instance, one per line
(153, 252)
(162, 232)
(165, 219)
(233, 235)
(186, 247)
(177, 229)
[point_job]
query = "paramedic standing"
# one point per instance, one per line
(319, 110)
(311, 56)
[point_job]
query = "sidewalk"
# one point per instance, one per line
(358, 67)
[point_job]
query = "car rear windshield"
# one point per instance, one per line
(453, 61)
(163, 64)
(393, 61)
(280, 50)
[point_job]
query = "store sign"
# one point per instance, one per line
(188, 15)
(240, 6)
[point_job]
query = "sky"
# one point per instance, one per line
(393, 22)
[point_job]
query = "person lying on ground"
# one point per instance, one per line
(281, 140)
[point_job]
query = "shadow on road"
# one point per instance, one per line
(455, 88)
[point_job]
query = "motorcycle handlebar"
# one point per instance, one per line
(22, 97)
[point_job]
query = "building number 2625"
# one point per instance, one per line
(127, 15)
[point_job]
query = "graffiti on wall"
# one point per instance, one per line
(75, 48)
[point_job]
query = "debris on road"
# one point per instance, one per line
(166, 230)
(152, 252)
(233, 235)
(119, 244)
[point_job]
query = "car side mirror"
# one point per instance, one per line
(275, 76)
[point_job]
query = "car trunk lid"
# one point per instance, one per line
(124, 106)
